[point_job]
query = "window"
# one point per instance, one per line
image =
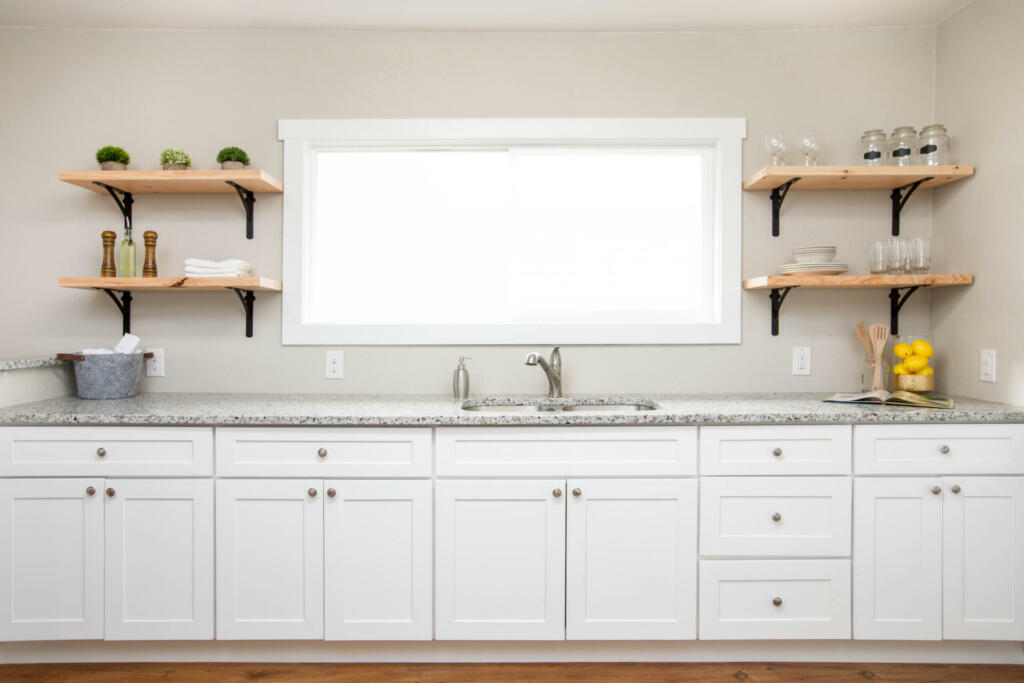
(512, 231)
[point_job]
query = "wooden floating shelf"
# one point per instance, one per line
(857, 281)
(172, 284)
(855, 177)
(174, 182)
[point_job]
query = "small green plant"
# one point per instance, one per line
(175, 156)
(233, 154)
(111, 153)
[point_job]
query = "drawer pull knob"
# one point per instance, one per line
(311, 493)
(955, 488)
(936, 490)
(776, 517)
(577, 492)
(90, 491)
(101, 451)
(944, 449)
(110, 493)
(322, 452)
(776, 452)
(331, 493)
(557, 493)
(777, 602)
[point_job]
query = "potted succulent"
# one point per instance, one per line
(174, 159)
(112, 158)
(232, 158)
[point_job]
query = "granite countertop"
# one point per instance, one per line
(407, 410)
(26, 363)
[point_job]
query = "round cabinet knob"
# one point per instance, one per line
(777, 602)
(110, 493)
(577, 492)
(90, 491)
(101, 451)
(944, 449)
(955, 488)
(776, 517)
(331, 493)
(776, 452)
(311, 493)
(557, 493)
(936, 490)
(322, 452)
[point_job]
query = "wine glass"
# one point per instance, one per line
(776, 144)
(809, 147)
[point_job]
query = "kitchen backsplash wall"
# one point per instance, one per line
(68, 92)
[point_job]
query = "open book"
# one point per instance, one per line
(896, 398)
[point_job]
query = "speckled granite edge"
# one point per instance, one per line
(429, 411)
(26, 363)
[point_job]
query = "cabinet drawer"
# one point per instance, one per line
(784, 449)
(106, 451)
(323, 452)
(939, 449)
(566, 451)
(774, 599)
(764, 516)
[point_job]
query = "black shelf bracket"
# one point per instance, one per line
(777, 296)
(778, 195)
(248, 198)
(124, 304)
(899, 199)
(247, 297)
(895, 304)
(124, 201)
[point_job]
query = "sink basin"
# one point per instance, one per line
(558, 405)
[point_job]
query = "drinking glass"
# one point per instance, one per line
(920, 255)
(878, 258)
(776, 144)
(809, 147)
(899, 255)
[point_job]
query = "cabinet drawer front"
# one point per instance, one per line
(323, 452)
(780, 449)
(776, 599)
(106, 451)
(764, 516)
(939, 449)
(566, 451)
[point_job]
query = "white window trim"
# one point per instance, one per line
(302, 137)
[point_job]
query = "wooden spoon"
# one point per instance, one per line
(862, 333)
(879, 335)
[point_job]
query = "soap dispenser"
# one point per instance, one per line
(460, 379)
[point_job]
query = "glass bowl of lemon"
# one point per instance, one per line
(913, 372)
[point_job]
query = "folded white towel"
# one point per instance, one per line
(96, 352)
(232, 263)
(129, 343)
(191, 272)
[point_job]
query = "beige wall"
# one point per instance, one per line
(34, 384)
(67, 92)
(979, 224)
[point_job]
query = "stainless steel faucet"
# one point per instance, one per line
(552, 368)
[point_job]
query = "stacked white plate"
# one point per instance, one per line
(814, 261)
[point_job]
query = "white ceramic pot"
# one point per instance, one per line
(231, 165)
(112, 166)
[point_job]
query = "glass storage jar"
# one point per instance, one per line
(901, 146)
(933, 145)
(872, 145)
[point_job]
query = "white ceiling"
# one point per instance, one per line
(478, 15)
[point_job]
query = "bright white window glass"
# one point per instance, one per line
(521, 235)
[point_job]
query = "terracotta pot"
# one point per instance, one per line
(175, 167)
(112, 166)
(231, 165)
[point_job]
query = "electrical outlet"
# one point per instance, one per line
(335, 368)
(155, 365)
(988, 365)
(801, 360)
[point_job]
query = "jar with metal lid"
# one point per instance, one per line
(901, 146)
(933, 145)
(872, 145)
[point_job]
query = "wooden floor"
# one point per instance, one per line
(577, 673)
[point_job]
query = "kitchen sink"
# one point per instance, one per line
(558, 405)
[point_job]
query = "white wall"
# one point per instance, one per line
(67, 92)
(979, 224)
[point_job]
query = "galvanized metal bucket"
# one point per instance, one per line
(107, 375)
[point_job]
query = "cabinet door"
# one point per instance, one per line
(501, 560)
(897, 559)
(983, 558)
(51, 574)
(159, 559)
(270, 568)
(377, 560)
(631, 559)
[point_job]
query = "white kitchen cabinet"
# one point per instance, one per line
(51, 575)
(631, 559)
(983, 558)
(159, 559)
(500, 554)
(897, 558)
(928, 449)
(775, 449)
(270, 581)
(377, 560)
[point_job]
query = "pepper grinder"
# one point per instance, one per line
(108, 267)
(149, 266)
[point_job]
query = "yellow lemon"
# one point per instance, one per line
(922, 348)
(915, 364)
(898, 369)
(903, 350)
(926, 372)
